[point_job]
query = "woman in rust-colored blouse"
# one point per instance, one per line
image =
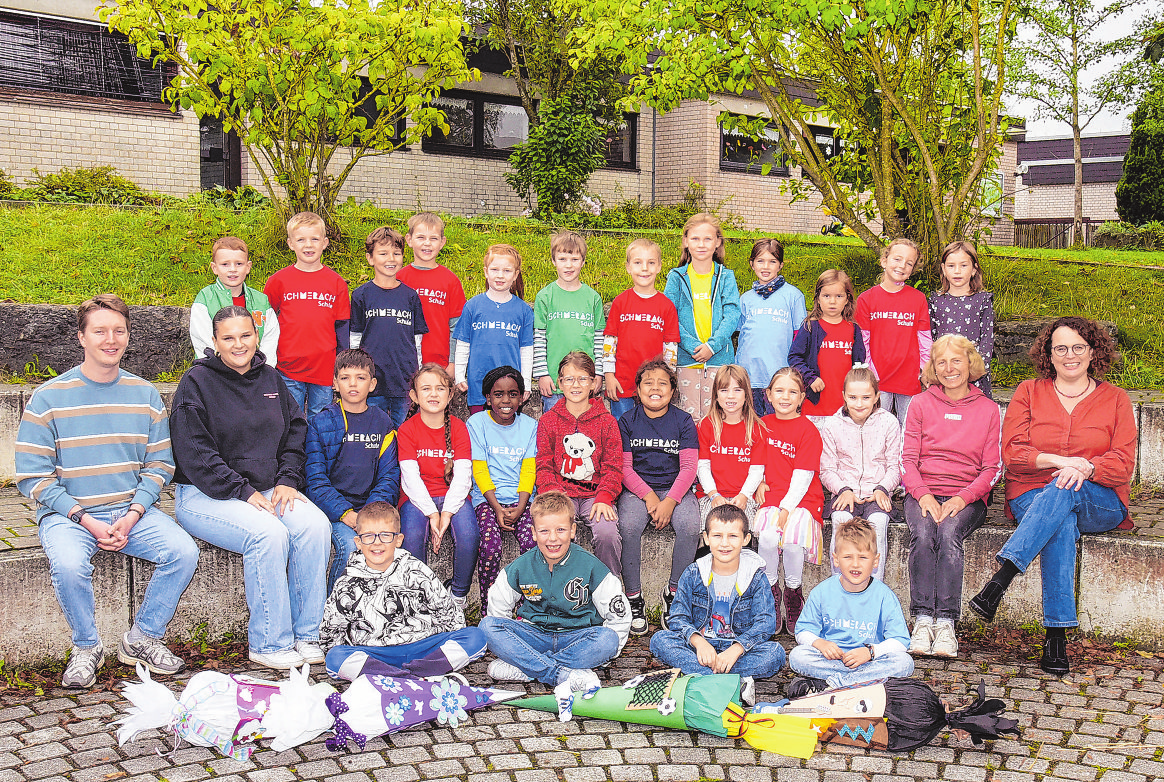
(1069, 445)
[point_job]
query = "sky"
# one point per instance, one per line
(1117, 120)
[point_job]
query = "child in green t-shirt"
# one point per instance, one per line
(568, 315)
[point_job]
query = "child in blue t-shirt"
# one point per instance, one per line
(351, 455)
(387, 322)
(504, 447)
(660, 449)
(852, 629)
(495, 328)
(770, 314)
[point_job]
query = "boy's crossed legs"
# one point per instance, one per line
(809, 661)
(548, 656)
(438, 654)
(761, 661)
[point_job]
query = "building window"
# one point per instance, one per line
(830, 145)
(621, 148)
(80, 58)
(741, 152)
(370, 112)
(479, 124)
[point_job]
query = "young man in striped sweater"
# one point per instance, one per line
(93, 451)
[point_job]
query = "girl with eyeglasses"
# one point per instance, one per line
(388, 611)
(1069, 446)
(580, 453)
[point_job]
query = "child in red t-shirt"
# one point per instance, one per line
(442, 296)
(895, 326)
(731, 445)
(791, 498)
(436, 473)
(312, 304)
(642, 325)
(828, 344)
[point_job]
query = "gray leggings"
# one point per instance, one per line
(633, 520)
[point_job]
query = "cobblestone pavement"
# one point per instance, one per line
(1100, 723)
(18, 516)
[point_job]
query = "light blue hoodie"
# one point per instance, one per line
(725, 315)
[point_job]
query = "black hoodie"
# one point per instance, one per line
(234, 434)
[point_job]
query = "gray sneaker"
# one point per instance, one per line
(83, 666)
(151, 653)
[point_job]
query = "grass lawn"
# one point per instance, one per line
(62, 254)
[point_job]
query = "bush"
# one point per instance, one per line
(1140, 192)
(1125, 236)
(101, 185)
(7, 188)
(239, 200)
(634, 215)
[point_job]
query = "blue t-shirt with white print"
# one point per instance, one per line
(496, 333)
(502, 448)
(853, 619)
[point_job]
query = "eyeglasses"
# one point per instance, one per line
(1078, 350)
(574, 381)
(368, 538)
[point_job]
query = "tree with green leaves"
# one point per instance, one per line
(577, 101)
(912, 88)
(1064, 39)
(310, 88)
(1140, 192)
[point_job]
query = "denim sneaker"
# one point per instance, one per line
(83, 666)
(151, 653)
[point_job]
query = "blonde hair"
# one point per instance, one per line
(976, 283)
(644, 244)
(857, 532)
(723, 376)
(703, 218)
(229, 243)
(568, 242)
(908, 243)
(552, 503)
(507, 251)
(953, 343)
(305, 220)
(384, 512)
(832, 277)
(426, 219)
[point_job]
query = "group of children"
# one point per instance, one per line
(720, 443)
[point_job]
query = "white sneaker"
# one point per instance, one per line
(945, 641)
(922, 641)
(280, 661)
(504, 672)
(578, 679)
(748, 691)
(461, 602)
(83, 666)
(310, 651)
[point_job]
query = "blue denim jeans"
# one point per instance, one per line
(541, 654)
(550, 401)
(808, 661)
(761, 661)
(155, 538)
(466, 540)
(620, 406)
(343, 540)
(1050, 522)
(438, 654)
(395, 406)
(314, 396)
(898, 404)
(284, 561)
(761, 403)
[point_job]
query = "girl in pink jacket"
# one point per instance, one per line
(860, 462)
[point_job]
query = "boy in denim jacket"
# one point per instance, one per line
(723, 617)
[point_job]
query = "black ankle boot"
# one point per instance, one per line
(985, 603)
(1054, 660)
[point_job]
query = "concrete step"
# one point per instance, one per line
(1120, 585)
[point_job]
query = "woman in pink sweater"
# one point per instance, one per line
(1070, 451)
(950, 459)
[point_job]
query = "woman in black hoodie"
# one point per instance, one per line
(239, 442)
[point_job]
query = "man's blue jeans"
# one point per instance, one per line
(761, 661)
(314, 396)
(284, 561)
(1050, 522)
(541, 654)
(808, 661)
(155, 538)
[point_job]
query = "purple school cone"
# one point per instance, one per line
(375, 705)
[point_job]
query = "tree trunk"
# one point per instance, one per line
(1077, 222)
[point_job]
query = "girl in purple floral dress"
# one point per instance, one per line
(964, 306)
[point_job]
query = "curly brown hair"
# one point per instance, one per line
(1103, 347)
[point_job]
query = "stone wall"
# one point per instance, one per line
(1058, 201)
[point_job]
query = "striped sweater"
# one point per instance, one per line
(99, 445)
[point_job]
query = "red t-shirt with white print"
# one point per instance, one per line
(893, 321)
(416, 441)
(732, 456)
(641, 327)
(793, 444)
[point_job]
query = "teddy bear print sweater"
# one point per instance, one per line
(581, 456)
